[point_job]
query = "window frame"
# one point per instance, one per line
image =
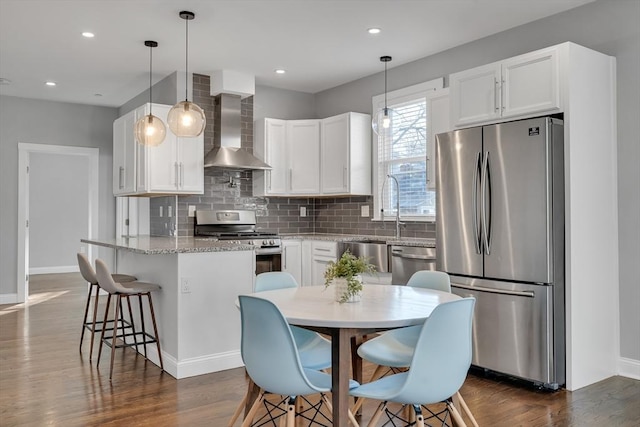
(424, 90)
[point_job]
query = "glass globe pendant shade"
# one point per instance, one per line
(150, 130)
(382, 121)
(186, 119)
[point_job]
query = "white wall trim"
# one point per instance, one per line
(629, 368)
(8, 299)
(24, 151)
(54, 270)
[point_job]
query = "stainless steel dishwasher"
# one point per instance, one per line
(406, 260)
(375, 251)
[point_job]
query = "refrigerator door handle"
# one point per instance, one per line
(474, 193)
(486, 207)
(528, 294)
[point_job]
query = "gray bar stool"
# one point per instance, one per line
(89, 275)
(118, 290)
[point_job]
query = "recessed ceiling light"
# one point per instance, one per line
(4, 81)
(280, 71)
(373, 30)
(88, 35)
(97, 94)
(50, 83)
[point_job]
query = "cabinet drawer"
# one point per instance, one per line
(325, 249)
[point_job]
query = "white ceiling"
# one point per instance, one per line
(321, 43)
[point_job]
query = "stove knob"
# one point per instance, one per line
(272, 243)
(265, 242)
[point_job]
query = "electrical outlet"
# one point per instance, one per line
(169, 211)
(160, 211)
(192, 211)
(364, 211)
(303, 211)
(186, 286)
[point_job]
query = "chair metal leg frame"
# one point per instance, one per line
(145, 338)
(417, 418)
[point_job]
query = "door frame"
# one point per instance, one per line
(24, 152)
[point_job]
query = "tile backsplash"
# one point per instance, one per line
(279, 215)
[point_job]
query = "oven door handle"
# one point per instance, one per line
(269, 251)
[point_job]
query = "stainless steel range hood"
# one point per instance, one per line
(228, 152)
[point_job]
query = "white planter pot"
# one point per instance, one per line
(340, 287)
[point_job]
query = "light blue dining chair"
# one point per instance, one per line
(313, 349)
(439, 367)
(272, 361)
(393, 350)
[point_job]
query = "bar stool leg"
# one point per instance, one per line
(104, 327)
(155, 330)
(132, 323)
(86, 312)
(144, 331)
(113, 340)
(95, 316)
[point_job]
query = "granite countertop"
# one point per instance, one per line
(403, 241)
(153, 245)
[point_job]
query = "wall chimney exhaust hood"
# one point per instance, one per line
(227, 151)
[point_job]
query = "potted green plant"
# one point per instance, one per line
(345, 276)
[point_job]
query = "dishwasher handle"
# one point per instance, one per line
(528, 294)
(410, 256)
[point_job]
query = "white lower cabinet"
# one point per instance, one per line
(174, 167)
(292, 258)
(322, 253)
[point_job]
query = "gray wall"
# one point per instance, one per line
(45, 122)
(282, 104)
(167, 91)
(58, 209)
(611, 27)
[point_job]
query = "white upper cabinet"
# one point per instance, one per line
(124, 155)
(438, 122)
(303, 137)
(174, 167)
(346, 154)
(314, 157)
(517, 87)
(292, 149)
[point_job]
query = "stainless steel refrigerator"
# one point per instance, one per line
(500, 235)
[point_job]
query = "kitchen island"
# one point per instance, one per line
(198, 322)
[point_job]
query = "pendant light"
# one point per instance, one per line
(186, 118)
(150, 130)
(384, 117)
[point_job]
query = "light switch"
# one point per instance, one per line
(192, 211)
(160, 211)
(303, 211)
(364, 211)
(169, 211)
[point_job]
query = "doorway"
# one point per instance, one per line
(35, 162)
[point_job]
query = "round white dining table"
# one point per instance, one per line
(382, 307)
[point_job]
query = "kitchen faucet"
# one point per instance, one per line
(398, 223)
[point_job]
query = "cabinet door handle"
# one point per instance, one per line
(176, 170)
(121, 178)
(284, 255)
(290, 179)
(496, 100)
(502, 95)
(344, 177)
(181, 175)
(269, 186)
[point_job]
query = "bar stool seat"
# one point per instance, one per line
(88, 274)
(127, 336)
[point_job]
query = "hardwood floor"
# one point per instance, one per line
(45, 380)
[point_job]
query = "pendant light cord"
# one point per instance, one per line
(186, 61)
(150, 86)
(385, 86)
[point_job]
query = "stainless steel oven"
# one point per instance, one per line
(239, 226)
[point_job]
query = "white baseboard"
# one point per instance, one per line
(629, 368)
(8, 299)
(197, 365)
(52, 270)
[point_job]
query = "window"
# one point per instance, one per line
(401, 153)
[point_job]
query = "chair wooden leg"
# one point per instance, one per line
(115, 329)
(456, 415)
(466, 409)
(144, 330)
(240, 407)
(419, 420)
(358, 404)
(104, 327)
(377, 373)
(95, 318)
(248, 419)
(84, 318)
(133, 327)
(377, 414)
(350, 413)
(291, 413)
(155, 330)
